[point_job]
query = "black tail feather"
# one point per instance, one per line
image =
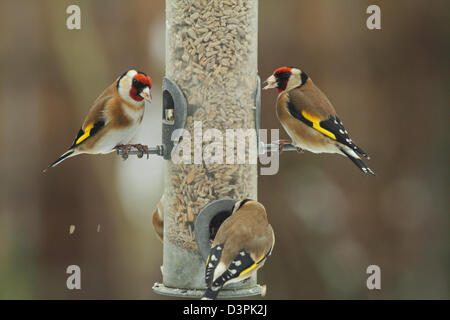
(210, 294)
(362, 152)
(60, 159)
(359, 163)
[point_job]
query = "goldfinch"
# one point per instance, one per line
(158, 219)
(113, 118)
(241, 246)
(309, 117)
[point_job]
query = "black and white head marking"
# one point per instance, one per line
(240, 204)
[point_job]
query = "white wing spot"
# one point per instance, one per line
(213, 258)
(341, 131)
(242, 253)
(210, 265)
(233, 271)
(237, 263)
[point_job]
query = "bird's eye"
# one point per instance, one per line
(135, 82)
(284, 75)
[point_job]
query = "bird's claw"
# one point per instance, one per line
(281, 144)
(141, 150)
(124, 150)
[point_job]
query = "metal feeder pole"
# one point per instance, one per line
(211, 58)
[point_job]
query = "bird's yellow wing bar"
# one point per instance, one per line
(90, 130)
(253, 266)
(85, 135)
(316, 124)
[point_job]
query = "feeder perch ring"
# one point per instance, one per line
(216, 211)
(174, 114)
(197, 293)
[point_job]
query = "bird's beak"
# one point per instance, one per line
(271, 83)
(146, 94)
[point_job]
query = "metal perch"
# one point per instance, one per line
(133, 151)
(159, 149)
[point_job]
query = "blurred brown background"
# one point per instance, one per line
(390, 86)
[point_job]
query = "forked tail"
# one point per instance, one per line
(69, 153)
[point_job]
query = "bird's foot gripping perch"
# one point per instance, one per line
(282, 143)
(124, 150)
(139, 150)
(299, 150)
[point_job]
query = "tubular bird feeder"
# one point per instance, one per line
(211, 79)
(211, 57)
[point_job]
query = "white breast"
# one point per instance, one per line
(134, 115)
(120, 136)
(327, 146)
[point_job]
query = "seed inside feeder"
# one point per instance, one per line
(212, 57)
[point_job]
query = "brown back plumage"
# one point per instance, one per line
(312, 100)
(247, 229)
(96, 111)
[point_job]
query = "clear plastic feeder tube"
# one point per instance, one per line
(211, 54)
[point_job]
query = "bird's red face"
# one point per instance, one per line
(286, 78)
(279, 79)
(140, 87)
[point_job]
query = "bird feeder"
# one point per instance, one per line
(211, 81)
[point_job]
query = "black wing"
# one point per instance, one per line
(332, 128)
(90, 131)
(241, 264)
(212, 262)
(335, 126)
